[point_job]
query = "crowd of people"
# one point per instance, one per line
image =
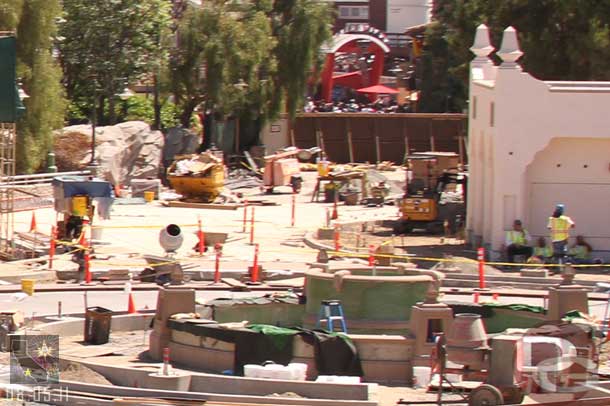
(519, 242)
(380, 105)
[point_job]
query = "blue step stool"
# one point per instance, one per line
(331, 311)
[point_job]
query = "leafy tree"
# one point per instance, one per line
(247, 60)
(106, 45)
(34, 24)
(142, 108)
(561, 40)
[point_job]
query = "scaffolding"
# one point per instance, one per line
(8, 135)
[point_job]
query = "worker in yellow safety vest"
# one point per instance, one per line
(543, 253)
(560, 225)
(581, 251)
(518, 242)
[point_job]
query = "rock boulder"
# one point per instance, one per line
(125, 151)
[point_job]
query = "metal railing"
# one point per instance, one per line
(37, 178)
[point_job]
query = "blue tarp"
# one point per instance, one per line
(74, 186)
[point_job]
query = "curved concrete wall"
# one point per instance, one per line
(377, 304)
(76, 326)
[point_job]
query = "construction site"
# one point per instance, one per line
(344, 267)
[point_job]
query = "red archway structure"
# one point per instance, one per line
(360, 44)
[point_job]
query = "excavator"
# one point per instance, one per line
(435, 194)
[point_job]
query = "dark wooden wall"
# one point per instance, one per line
(380, 137)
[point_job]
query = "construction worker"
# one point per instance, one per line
(518, 242)
(581, 251)
(543, 253)
(560, 225)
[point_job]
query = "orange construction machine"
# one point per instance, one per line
(435, 194)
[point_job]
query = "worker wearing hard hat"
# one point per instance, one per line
(518, 242)
(560, 225)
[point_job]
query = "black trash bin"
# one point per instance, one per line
(97, 325)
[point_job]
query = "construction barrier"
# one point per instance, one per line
(337, 238)
(33, 223)
(481, 259)
(218, 250)
(201, 236)
(252, 226)
(245, 216)
(254, 277)
(293, 210)
(52, 246)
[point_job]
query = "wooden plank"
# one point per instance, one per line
(234, 283)
(350, 143)
(154, 402)
(291, 283)
(251, 162)
(193, 205)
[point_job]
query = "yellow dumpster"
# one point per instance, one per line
(199, 177)
(27, 286)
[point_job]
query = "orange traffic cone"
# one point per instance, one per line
(131, 307)
(335, 214)
(33, 222)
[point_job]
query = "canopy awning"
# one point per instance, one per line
(74, 186)
(378, 89)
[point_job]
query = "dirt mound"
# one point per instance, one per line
(80, 373)
(70, 149)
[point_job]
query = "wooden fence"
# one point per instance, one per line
(370, 137)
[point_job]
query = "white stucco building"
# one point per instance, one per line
(403, 14)
(533, 144)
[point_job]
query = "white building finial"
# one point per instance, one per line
(481, 46)
(509, 51)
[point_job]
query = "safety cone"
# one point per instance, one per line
(33, 222)
(335, 214)
(131, 307)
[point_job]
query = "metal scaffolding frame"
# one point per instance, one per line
(8, 135)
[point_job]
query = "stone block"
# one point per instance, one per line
(325, 233)
(174, 382)
(169, 301)
(202, 358)
(216, 345)
(388, 372)
(383, 347)
(563, 299)
(139, 186)
(183, 337)
(503, 357)
(157, 342)
(535, 272)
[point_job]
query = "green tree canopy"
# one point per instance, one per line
(34, 24)
(106, 45)
(561, 40)
(249, 59)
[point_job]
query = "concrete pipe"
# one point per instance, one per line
(171, 238)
